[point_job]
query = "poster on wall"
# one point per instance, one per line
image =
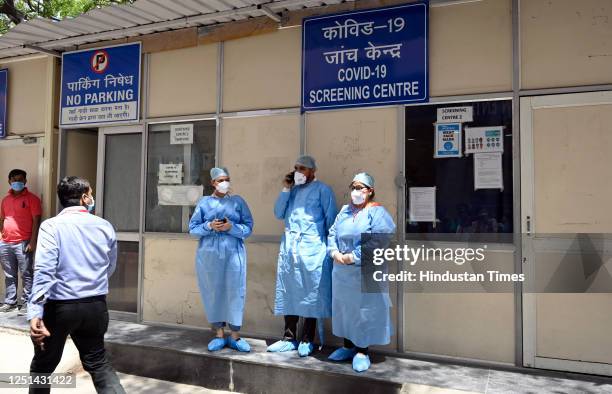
(3, 101)
(365, 58)
(101, 86)
(484, 139)
(447, 140)
(422, 204)
(488, 171)
(170, 174)
(183, 195)
(181, 134)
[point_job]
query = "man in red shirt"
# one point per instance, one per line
(20, 214)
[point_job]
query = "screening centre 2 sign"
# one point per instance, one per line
(101, 86)
(365, 58)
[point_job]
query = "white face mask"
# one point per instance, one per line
(299, 178)
(358, 197)
(223, 187)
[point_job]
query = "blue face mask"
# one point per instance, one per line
(90, 207)
(17, 186)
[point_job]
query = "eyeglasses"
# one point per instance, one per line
(358, 187)
(300, 168)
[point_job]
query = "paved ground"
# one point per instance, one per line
(17, 352)
(414, 376)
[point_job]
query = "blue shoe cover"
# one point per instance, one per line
(216, 344)
(305, 349)
(282, 346)
(241, 345)
(361, 362)
(342, 354)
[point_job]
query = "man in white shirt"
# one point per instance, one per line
(76, 254)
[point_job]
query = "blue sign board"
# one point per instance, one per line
(363, 58)
(101, 86)
(3, 100)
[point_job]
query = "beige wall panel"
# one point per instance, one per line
(347, 142)
(183, 81)
(574, 327)
(261, 291)
(471, 325)
(565, 43)
(81, 155)
(27, 95)
(171, 293)
(574, 143)
(258, 152)
(470, 48)
(271, 76)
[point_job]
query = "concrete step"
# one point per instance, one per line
(180, 355)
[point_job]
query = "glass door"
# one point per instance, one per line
(119, 201)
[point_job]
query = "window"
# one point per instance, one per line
(177, 171)
(478, 215)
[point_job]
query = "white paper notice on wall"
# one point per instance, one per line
(184, 195)
(455, 115)
(488, 172)
(170, 174)
(422, 204)
(484, 139)
(181, 134)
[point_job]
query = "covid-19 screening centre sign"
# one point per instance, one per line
(365, 58)
(101, 86)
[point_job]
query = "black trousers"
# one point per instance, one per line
(349, 345)
(309, 328)
(86, 321)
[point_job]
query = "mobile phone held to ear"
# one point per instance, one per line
(290, 177)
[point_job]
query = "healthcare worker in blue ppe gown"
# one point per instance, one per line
(361, 318)
(303, 281)
(222, 221)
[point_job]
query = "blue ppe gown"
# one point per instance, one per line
(221, 257)
(363, 318)
(303, 279)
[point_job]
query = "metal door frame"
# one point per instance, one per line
(103, 132)
(528, 226)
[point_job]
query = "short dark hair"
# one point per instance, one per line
(71, 189)
(17, 172)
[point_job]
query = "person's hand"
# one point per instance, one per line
(216, 224)
(288, 180)
(338, 257)
(225, 226)
(38, 332)
(347, 259)
(30, 248)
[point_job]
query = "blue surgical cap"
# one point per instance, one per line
(306, 161)
(364, 178)
(217, 172)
